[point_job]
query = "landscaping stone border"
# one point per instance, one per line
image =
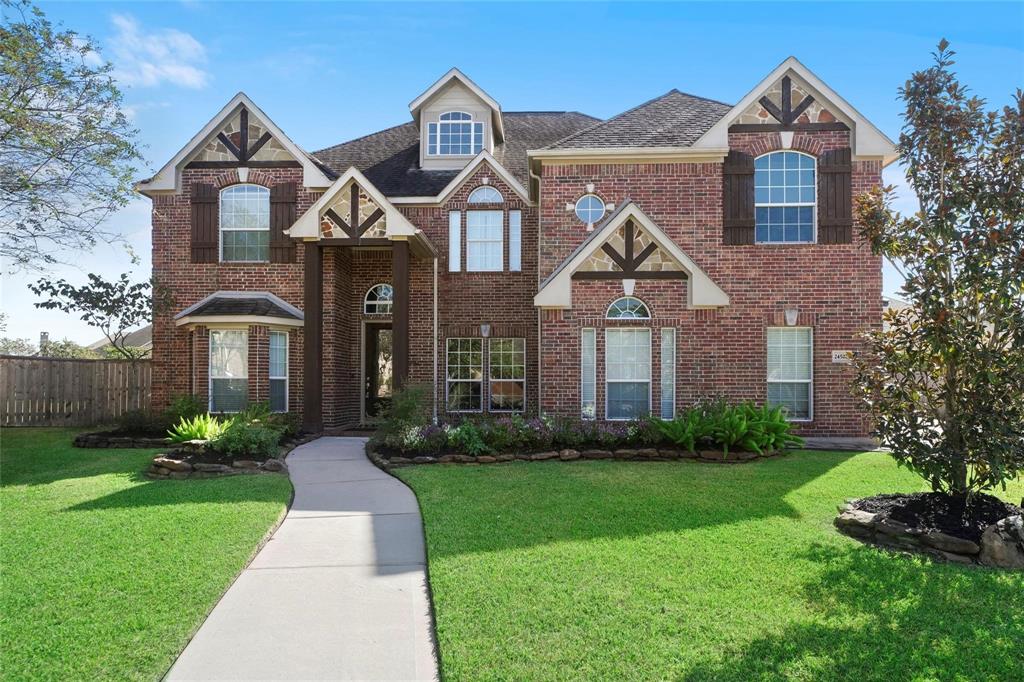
(1002, 544)
(173, 465)
(568, 454)
(108, 440)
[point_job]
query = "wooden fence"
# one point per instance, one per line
(58, 392)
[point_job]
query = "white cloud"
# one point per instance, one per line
(148, 59)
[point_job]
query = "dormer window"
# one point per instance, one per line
(455, 134)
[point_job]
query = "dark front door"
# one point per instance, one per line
(378, 369)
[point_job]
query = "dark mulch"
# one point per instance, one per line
(940, 512)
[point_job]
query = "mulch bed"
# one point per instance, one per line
(930, 512)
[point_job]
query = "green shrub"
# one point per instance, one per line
(201, 427)
(468, 438)
(142, 423)
(184, 406)
(247, 439)
(683, 431)
(408, 412)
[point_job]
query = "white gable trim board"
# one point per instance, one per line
(702, 291)
(168, 178)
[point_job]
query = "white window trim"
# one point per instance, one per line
(515, 264)
(501, 199)
(378, 302)
(650, 372)
(814, 205)
(221, 229)
(506, 381)
(608, 310)
(209, 368)
(287, 368)
(454, 241)
(436, 142)
(576, 208)
(810, 390)
(448, 381)
(501, 241)
(661, 368)
(592, 372)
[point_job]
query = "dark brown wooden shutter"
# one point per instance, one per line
(738, 198)
(204, 223)
(282, 216)
(835, 197)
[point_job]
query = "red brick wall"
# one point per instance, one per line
(836, 288)
(180, 356)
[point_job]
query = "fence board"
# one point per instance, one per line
(64, 392)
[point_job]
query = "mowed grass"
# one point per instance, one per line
(690, 571)
(106, 574)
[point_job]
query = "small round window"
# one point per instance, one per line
(590, 208)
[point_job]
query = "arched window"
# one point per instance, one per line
(245, 224)
(378, 300)
(455, 134)
(485, 194)
(785, 198)
(628, 308)
(589, 208)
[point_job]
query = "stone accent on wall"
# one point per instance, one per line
(658, 261)
(215, 150)
(342, 205)
(816, 113)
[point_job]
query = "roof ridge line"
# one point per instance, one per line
(363, 137)
(609, 120)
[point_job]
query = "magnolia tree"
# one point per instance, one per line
(114, 308)
(945, 380)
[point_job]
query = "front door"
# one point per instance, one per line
(377, 370)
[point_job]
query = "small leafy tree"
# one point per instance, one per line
(67, 151)
(114, 308)
(9, 346)
(945, 381)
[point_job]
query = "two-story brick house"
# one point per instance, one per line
(536, 262)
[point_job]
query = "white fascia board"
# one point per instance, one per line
(702, 291)
(168, 178)
(868, 140)
(454, 73)
(230, 321)
(308, 225)
(480, 159)
(654, 152)
(456, 182)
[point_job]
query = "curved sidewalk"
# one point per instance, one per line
(338, 593)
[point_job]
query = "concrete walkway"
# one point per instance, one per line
(338, 593)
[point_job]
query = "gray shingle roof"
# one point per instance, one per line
(675, 119)
(259, 303)
(390, 158)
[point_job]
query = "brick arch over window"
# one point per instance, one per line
(765, 143)
(255, 177)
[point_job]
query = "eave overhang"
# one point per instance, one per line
(556, 290)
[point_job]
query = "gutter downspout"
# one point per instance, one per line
(534, 176)
(435, 341)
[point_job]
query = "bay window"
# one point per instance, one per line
(229, 370)
(278, 371)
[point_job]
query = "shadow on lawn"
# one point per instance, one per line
(528, 504)
(890, 617)
(225, 490)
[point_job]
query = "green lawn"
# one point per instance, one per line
(682, 570)
(106, 574)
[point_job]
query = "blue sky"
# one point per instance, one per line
(328, 72)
